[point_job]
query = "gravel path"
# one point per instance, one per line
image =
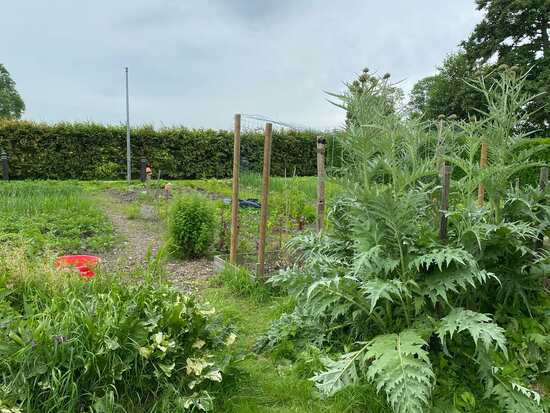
(142, 238)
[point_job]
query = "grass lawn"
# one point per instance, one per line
(269, 383)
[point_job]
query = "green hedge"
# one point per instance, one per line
(92, 151)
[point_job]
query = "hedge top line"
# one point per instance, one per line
(90, 150)
(288, 128)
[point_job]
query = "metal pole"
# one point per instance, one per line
(235, 194)
(128, 151)
(265, 194)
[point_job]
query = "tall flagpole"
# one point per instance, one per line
(128, 152)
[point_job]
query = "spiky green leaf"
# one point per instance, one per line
(482, 329)
(402, 369)
(514, 398)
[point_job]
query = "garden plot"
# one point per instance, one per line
(426, 292)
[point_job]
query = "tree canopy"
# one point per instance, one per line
(513, 33)
(447, 93)
(11, 104)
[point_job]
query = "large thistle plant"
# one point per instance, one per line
(381, 282)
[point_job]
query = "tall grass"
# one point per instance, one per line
(52, 215)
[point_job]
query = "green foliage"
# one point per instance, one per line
(541, 152)
(11, 104)
(400, 366)
(52, 216)
(103, 345)
(386, 96)
(89, 151)
(512, 34)
(447, 93)
(514, 398)
(277, 381)
(294, 330)
(517, 34)
(392, 297)
(241, 283)
(191, 226)
(480, 327)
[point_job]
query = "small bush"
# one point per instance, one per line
(192, 221)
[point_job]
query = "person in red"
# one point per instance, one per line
(148, 171)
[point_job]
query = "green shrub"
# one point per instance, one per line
(68, 344)
(191, 225)
(88, 151)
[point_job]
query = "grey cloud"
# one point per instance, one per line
(196, 62)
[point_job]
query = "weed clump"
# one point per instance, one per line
(241, 283)
(191, 226)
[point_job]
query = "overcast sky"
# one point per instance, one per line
(197, 62)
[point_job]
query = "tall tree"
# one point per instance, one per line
(516, 33)
(512, 32)
(11, 104)
(447, 93)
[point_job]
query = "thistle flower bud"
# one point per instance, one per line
(386, 76)
(366, 70)
(441, 117)
(453, 117)
(503, 66)
(515, 68)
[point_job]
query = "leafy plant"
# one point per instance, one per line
(88, 151)
(103, 345)
(403, 307)
(191, 226)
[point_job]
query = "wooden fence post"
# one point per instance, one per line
(543, 183)
(264, 202)
(482, 164)
(320, 183)
(445, 188)
(543, 179)
(235, 195)
(439, 151)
